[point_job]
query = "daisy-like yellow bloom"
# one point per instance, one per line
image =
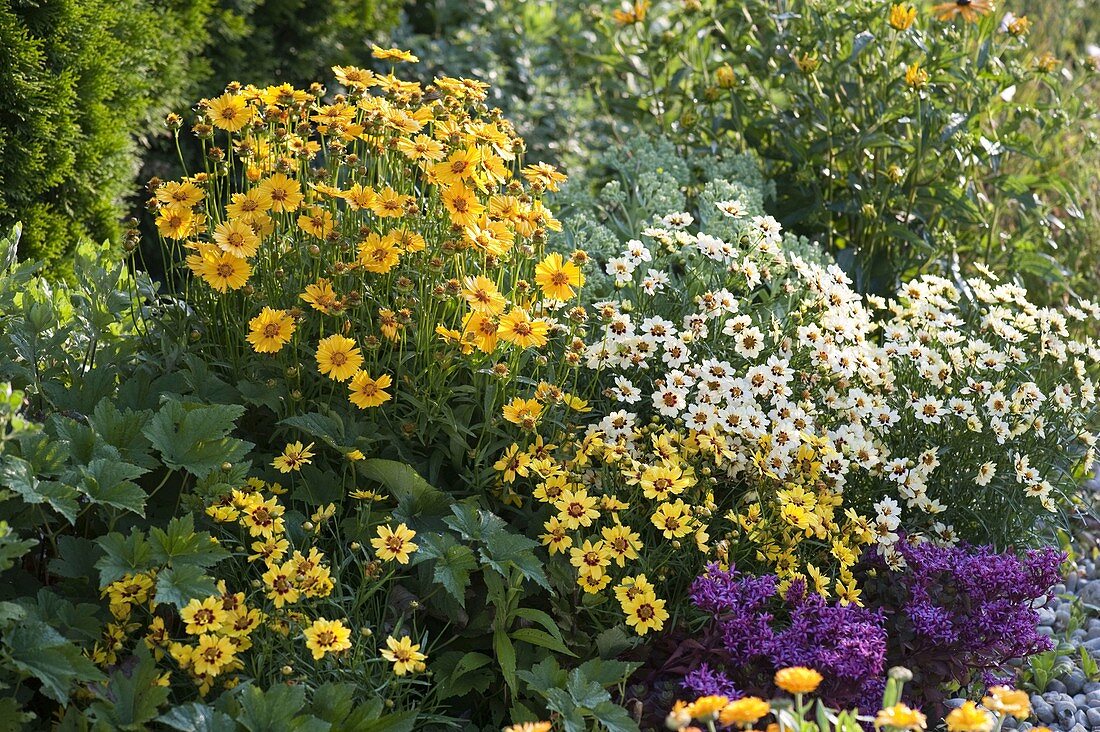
(483, 296)
(270, 330)
(900, 716)
(519, 329)
(645, 613)
(459, 167)
(706, 708)
(969, 718)
(523, 412)
(338, 357)
(395, 544)
(514, 463)
(543, 174)
(378, 255)
(212, 654)
(590, 559)
(179, 195)
(321, 297)
(529, 727)
(558, 277)
(969, 10)
(293, 457)
(622, 543)
(203, 616)
(421, 148)
(229, 112)
(672, 520)
(389, 203)
(902, 16)
(237, 238)
(327, 636)
(367, 392)
(392, 54)
(462, 204)
(360, 197)
(493, 237)
(285, 193)
(745, 710)
(316, 221)
(660, 482)
(174, 222)
(247, 205)
(482, 331)
(404, 655)
(406, 240)
(556, 539)
(798, 679)
(1006, 700)
(269, 550)
(576, 508)
(224, 271)
(593, 584)
(915, 76)
(281, 583)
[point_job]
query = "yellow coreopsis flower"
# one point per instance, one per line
(798, 679)
(395, 544)
(282, 588)
(969, 718)
(338, 357)
(392, 54)
(285, 193)
(529, 727)
(404, 655)
(483, 296)
(915, 76)
(458, 168)
(237, 238)
(212, 654)
(316, 221)
(179, 195)
(558, 277)
(590, 559)
(327, 636)
(672, 520)
(203, 616)
(270, 330)
(519, 329)
(523, 412)
(366, 392)
(622, 543)
(224, 271)
(377, 254)
(1006, 700)
(249, 204)
(462, 204)
(576, 508)
(293, 457)
(902, 16)
(543, 174)
(645, 613)
(556, 539)
(321, 297)
(229, 112)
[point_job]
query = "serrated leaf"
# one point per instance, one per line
(194, 437)
(503, 548)
(195, 717)
(18, 475)
(40, 651)
(453, 563)
(179, 585)
(130, 700)
(178, 544)
(122, 555)
(616, 719)
(416, 498)
(110, 482)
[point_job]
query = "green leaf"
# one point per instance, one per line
(195, 717)
(276, 710)
(541, 638)
(397, 722)
(616, 719)
(453, 563)
(18, 475)
(458, 673)
(179, 544)
(506, 657)
(40, 651)
(416, 498)
(195, 437)
(544, 676)
(179, 585)
(502, 548)
(333, 702)
(130, 700)
(328, 429)
(123, 555)
(607, 673)
(109, 482)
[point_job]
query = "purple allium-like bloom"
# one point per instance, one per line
(705, 681)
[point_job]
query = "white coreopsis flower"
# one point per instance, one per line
(768, 227)
(679, 220)
(945, 534)
(1000, 430)
(654, 282)
(625, 391)
(961, 408)
(712, 247)
(928, 460)
(749, 343)
(929, 410)
(751, 273)
(618, 424)
(732, 208)
(701, 417)
(620, 325)
(621, 268)
(695, 324)
(888, 512)
(997, 404)
(657, 327)
(637, 252)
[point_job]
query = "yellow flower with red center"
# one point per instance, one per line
(523, 412)
(281, 583)
(591, 560)
(556, 538)
(293, 457)
(404, 655)
(270, 330)
(645, 612)
(576, 508)
(366, 392)
(622, 542)
(212, 654)
(673, 520)
(203, 616)
(327, 636)
(519, 329)
(338, 357)
(395, 544)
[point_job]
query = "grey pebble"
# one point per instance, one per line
(1093, 717)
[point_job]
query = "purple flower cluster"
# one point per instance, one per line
(753, 632)
(957, 612)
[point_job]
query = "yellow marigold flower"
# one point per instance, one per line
(224, 271)
(458, 168)
(915, 76)
(545, 175)
(203, 616)
(745, 710)
(901, 717)
(229, 112)
(367, 392)
(395, 544)
(404, 655)
(969, 718)
(462, 204)
(645, 613)
(293, 457)
(902, 16)
(179, 195)
(327, 636)
(316, 221)
(558, 277)
(672, 519)
(529, 727)
(798, 679)
(392, 54)
(556, 538)
(519, 329)
(285, 193)
(969, 10)
(576, 508)
(483, 296)
(621, 542)
(338, 357)
(706, 708)
(212, 654)
(237, 238)
(1006, 700)
(377, 254)
(270, 330)
(523, 412)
